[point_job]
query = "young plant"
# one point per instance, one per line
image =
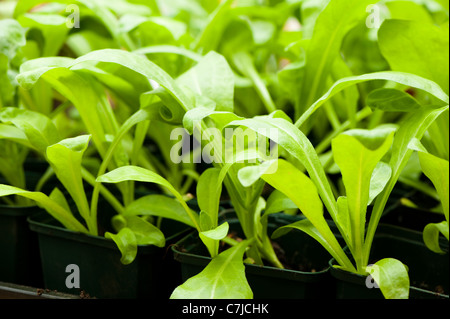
(41, 133)
(205, 99)
(362, 184)
(65, 157)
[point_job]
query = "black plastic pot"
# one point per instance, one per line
(428, 271)
(20, 263)
(102, 275)
(411, 218)
(14, 291)
(269, 282)
(19, 248)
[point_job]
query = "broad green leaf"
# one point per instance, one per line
(12, 37)
(161, 206)
(357, 164)
(251, 174)
(139, 174)
(407, 79)
(223, 278)
(127, 244)
(409, 10)
(12, 133)
(66, 158)
(431, 234)
(374, 138)
(40, 131)
(53, 28)
(145, 232)
(76, 88)
(135, 173)
(53, 208)
(211, 238)
(391, 100)
(421, 48)
(211, 77)
(391, 277)
(32, 70)
(26, 5)
(411, 46)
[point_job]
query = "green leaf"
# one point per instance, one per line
(407, 79)
(145, 232)
(139, 174)
(212, 78)
(357, 164)
(40, 131)
(53, 28)
(412, 46)
(431, 234)
(380, 177)
(161, 206)
(127, 244)
(140, 65)
(12, 133)
(169, 49)
(7, 89)
(209, 190)
(212, 32)
(391, 100)
(374, 138)
(76, 88)
(12, 37)
(343, 220)
(199, 113)
(66, 158)
(331, 26)
(392, 277)
(278, 202)
(59, 198)
(223, 278)
(52, 207)
(211, 238)
(410, 10)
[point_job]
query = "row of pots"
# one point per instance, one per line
(36, 252)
